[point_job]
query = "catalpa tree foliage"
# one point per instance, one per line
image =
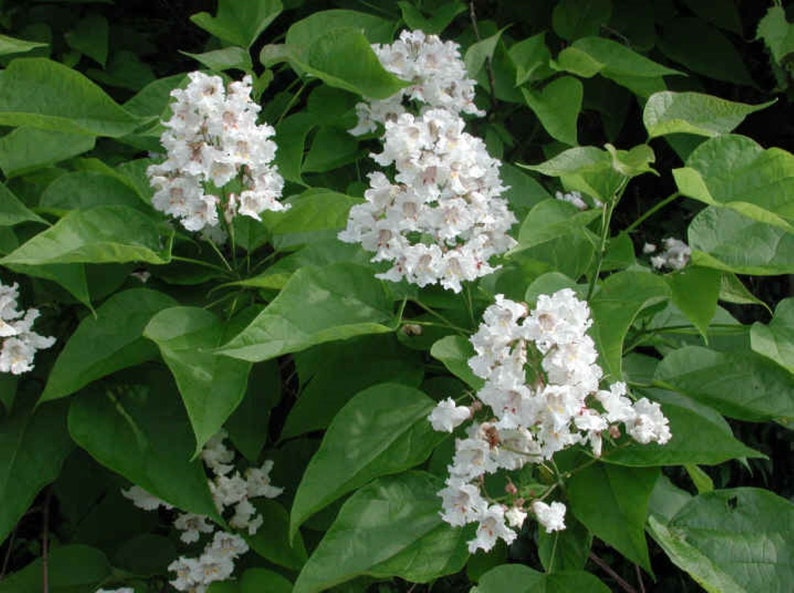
(388, 297)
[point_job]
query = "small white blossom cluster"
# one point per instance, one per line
(675, 256)
(121, 590)
(575, 198)
(560, 405)
(230, 490)
(213, 146)
(19, 341)
(437, 75)
(442, 218)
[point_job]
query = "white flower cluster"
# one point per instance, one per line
(559, 406)
(675, 256)
(19, 341)
(575, 198)
(442, 218)
(214, 146)
(121, 590)
(229, 490)
(437, 75)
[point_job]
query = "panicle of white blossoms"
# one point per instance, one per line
(542, 385)
(675, 255)
(437, 75)
(443, 217)
(19, 342)
(230, 490)
(211, 141)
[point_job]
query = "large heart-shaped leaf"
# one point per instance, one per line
(522, 579)
(382, 430)
(398, 532)
(776, 340)
(316, 305)
(107, 341)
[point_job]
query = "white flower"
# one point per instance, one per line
(211, 140)
(491, 528)
(675, 255)
(552, 516)
(19, 342)
(143, 500)
(119, 590)
(447, 415)
(515, 517)
(462, 502)
(191, 525)
(574, 198)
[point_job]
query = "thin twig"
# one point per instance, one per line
(608, 569)
(7, 557)
(488, 66)
(45, 535)
(639, 578)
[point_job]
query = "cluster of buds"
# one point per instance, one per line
(218, 159)
(230, 490)
(542, 387)
(19, 342)
(441, 219)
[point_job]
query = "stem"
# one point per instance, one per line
(446, 321)
(488, 65)
(608, 569)
(639, 578)
(45, 535)
(653, 210)
(201, 263)
(553, 551)
(291, 103)
(220, 255)
(606, 218)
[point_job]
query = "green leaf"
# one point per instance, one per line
(700, 435)
(612, 502)
(88, 189)
(455, 352)
(634, 162)
(399, 532)
(343, 58)
(239, 23)
(732, 541)
(581, 159)
(12, 211)
(565, 550)
(777, 33)
(304, 32)
(331, 148)
(739, 384)
(557, 106)
(272, 542)
(732, 290)
(703, 49)
(316, 305)
(440, 18)
(228, 58)
(331, 374)
(248, 424)
(39, 93)
(531, 58)
(33, 446)
(382, 430)
(694, 113)
(25, 149)
(70, 569)
(718, 13)
(480, 52)
(108, 341)
(551, 219)
(11, 45)
(695, 291)
(90, 37)
(211, 386)
(257, 580)
(776, 340)
(70, 276)
(522, 579)
(615, 306)
(724, 239)
(573, 19)
(736, 172)
(291, 135)
(140, 432)
(105, 234)
(596, 55)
